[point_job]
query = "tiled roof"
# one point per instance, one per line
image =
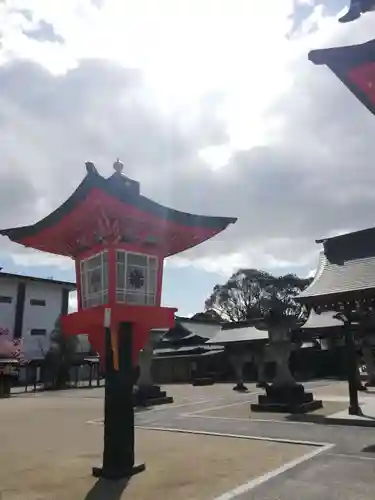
(21, 277)
(203, 330)
(241, 334)
(324, 320)
(338, 275)
(186, 330)
(176, 350)
(186, 349)
(193, 355)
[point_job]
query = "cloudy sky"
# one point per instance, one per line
(211, 104)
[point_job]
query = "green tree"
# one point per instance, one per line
(207, 315)
(59, 358)
(252, 293)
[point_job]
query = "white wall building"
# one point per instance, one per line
(29, 308)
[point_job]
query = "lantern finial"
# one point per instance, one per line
(118, 166)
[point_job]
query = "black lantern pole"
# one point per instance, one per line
(352, 369)
(118, 455)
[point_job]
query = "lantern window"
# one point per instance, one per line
(94, 280)
(136, 276)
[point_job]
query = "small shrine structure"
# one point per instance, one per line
(324, 331)
(118, 239)
(183, 354)
(327, 329)
(345, 283)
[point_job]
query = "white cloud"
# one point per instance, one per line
(212, 105)
(311, 273)
(184, 48)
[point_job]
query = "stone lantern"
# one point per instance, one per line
(284, 394)
(147, 393)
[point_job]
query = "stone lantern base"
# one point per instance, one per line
(240, 387)
(151, 395)
(286, 399)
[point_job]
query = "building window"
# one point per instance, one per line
(94, 280)
(38, 331)
(37, 302)
(136, 278)
(5, 300)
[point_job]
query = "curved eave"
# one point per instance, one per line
(362, 237)
(345, 57)
(309, 291)
(349, 279)
(17, 234)
(115, 188)
(353, 65)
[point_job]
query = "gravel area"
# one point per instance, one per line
(48, 449)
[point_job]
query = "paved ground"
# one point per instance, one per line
(340, 468)
(344, 471)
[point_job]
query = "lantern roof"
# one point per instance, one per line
(106, 210)
(354, 65)
(346, 269)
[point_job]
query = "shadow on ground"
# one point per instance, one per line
(369, 449)
(107, 490)
(307, 417)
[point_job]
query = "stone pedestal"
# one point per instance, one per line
(284, 395)
(151, 395)
(260, 362)
(147, 393)
(368, 358)
(7, 375)
(237, 360)
(286, 399)
(5, 385)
